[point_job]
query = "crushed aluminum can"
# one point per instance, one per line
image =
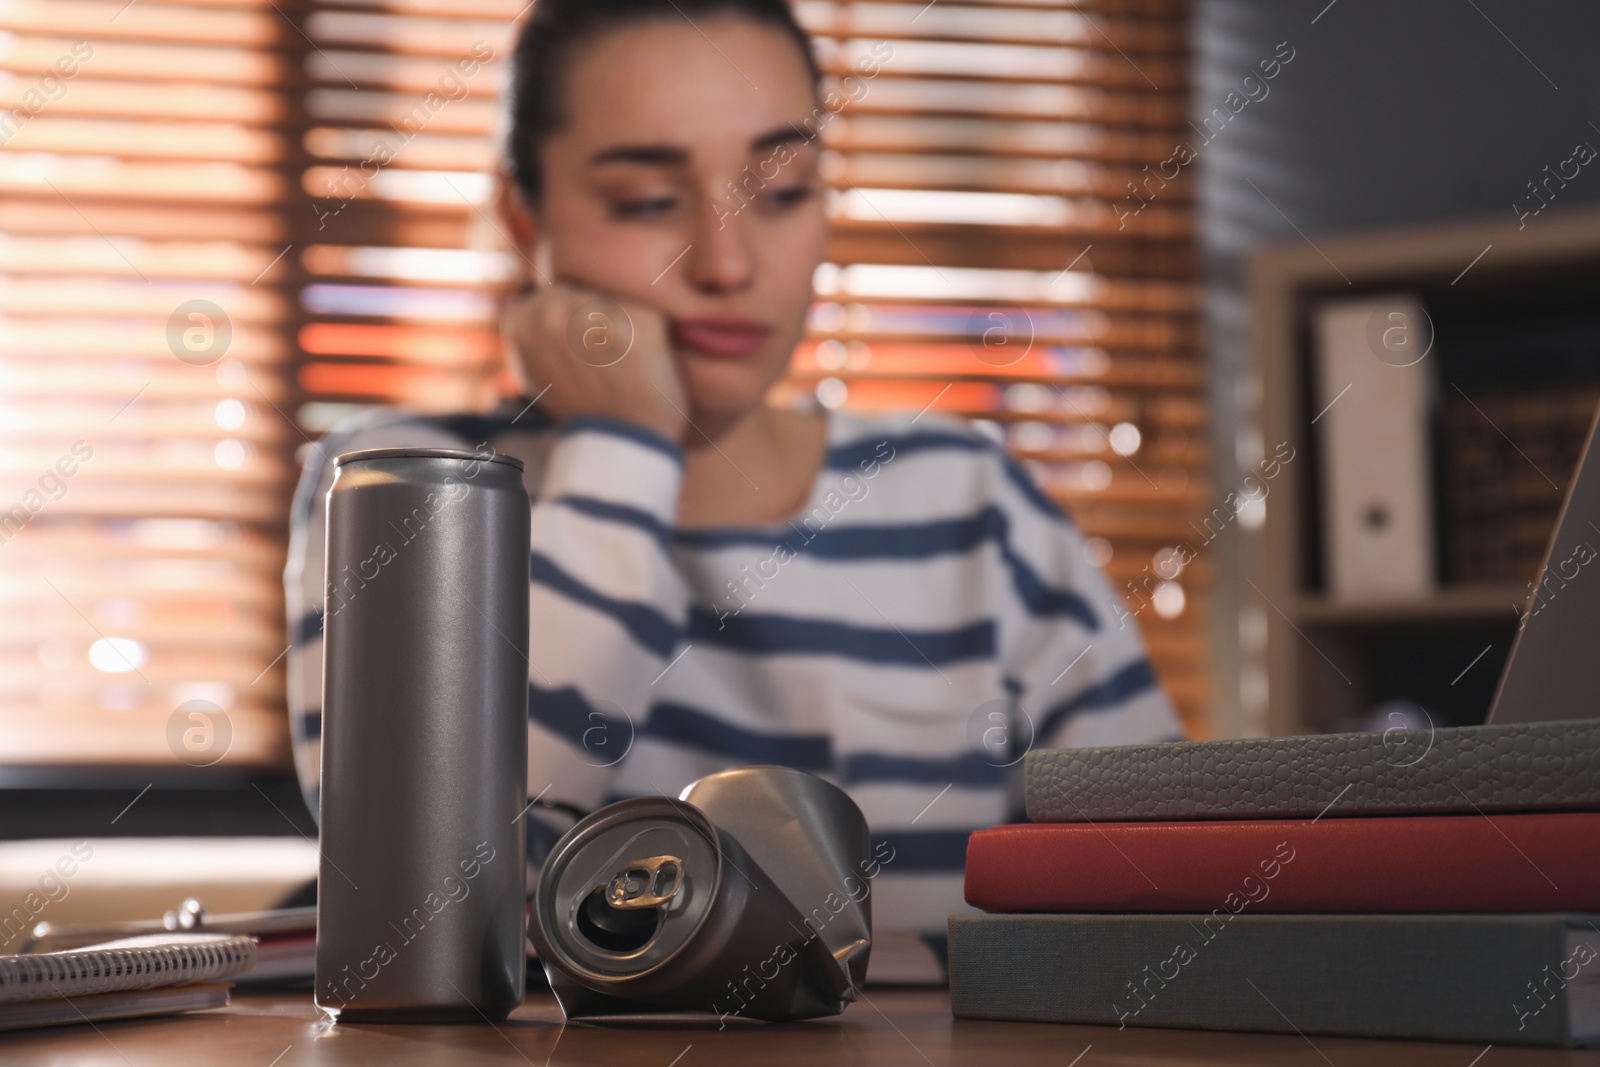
(748, 896)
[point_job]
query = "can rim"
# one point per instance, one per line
(542, 927)
(362, 455)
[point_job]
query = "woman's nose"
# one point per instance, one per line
(720, 259)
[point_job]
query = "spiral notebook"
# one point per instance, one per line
(101, 981)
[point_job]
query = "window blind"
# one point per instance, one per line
(1007, 248)
(143, 467)
(318, 171)
(403, 251)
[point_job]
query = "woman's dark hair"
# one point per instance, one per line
(550, 37)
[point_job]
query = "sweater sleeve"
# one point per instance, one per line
(608, 608)
(304, 571)
(1072, 653)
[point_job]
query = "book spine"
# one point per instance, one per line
(1465, 978)
(1547, 766)
(1432, 864)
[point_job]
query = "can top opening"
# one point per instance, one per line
(427, 453)
(626, 889)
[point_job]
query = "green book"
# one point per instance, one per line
(1501, 979)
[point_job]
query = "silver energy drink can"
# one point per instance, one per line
(420, 893)
(748, 897)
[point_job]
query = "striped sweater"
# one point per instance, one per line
(923, 619)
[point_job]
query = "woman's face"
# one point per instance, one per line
(683, 177)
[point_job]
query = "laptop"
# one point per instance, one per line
(1554, 668)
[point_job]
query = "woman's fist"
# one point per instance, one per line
(586, 353)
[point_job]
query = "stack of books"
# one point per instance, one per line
(1440, 884)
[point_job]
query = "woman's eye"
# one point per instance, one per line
(789, 197)
(643, 207)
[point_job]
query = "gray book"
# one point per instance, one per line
(1501, 979)
(1534, 766)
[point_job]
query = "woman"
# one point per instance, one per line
(889, 603)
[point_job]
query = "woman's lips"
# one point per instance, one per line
(721, 337)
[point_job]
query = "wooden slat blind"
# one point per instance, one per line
(982, 182)
(320, 169)
(143, 468)
(404, 255)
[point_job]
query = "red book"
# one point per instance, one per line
(1441, 863)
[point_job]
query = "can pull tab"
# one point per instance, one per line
(647, 883)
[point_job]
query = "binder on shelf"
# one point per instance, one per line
(1374, 397)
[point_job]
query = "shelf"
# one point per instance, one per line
(1332, 659)
(1468, 603)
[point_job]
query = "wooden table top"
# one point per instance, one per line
(888, 1028)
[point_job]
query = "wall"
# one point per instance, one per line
(1388, 114)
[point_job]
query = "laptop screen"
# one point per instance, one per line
(1554, 670)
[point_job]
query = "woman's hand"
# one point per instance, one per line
(588, 353)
